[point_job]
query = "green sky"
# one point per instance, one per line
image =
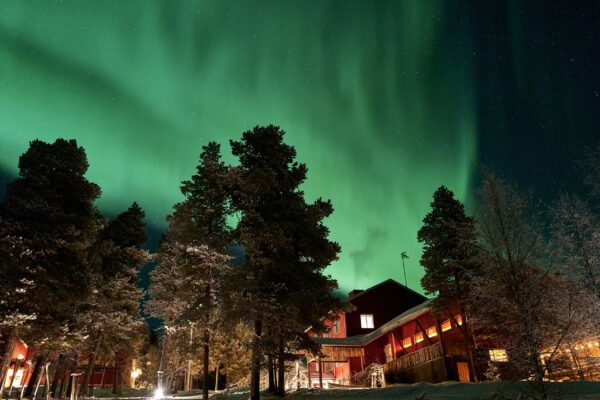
(377, 98)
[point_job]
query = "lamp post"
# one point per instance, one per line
(74, 385)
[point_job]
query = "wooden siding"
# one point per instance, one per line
(424, 365)
(418, 357)
(341, 354)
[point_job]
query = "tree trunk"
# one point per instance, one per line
(255, 367)
(58, 372)
(205, 365)
(217, 378)
(281, 368)
(270, 368)
(117, 376)
(40, 359)
(89, 370)
(65, 379)
(8, 346)
(206, 340)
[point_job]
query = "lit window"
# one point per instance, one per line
(431, 332)
(336, 326)
(458, 319)
(419, 337)
(446, 325)
(498, 355)
(406, 342)
(366, 321)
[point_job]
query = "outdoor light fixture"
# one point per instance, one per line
(159, 394)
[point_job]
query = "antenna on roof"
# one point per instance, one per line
(403, 256)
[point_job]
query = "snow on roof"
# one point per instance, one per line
(363, 340)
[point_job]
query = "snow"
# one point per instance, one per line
(442, 391)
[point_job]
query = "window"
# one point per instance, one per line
(418, 337)
(406, 342)
(366, 321)
(498, 355)
(446, 325)
(458, 319)
(431, 332)
(336, 326)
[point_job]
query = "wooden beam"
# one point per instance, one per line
(424, 332)
(320, 373)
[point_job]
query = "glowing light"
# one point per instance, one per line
(159, 394)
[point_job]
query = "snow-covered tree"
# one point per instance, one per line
(184, 289)
(111, 317)
(576, 230)
(520, 301)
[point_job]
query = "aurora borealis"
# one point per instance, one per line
(384, 101)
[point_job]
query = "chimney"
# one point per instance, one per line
(352, 294)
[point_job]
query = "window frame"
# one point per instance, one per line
(446, 325)
(365, 319)
(429, 331)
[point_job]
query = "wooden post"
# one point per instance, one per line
(424, 332)
(438, 327)
(308, 372)
(320, 373)
(393, 345)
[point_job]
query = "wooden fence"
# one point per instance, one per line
(424, 365)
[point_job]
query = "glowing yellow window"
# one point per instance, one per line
(406, 342)
(431, 332)
(446, 325)
(418, 337)
(458, 319)
(498, 355)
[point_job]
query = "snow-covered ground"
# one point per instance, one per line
(443, 391)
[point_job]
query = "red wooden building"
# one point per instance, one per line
(393, 326)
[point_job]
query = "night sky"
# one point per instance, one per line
(384, 101)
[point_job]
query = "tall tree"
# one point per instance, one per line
(576, 230)
(111, 316)
(49, 211)
(201, 220)
(285, 243)
(449, 259)
(521, 301)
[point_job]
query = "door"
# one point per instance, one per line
(463, 371)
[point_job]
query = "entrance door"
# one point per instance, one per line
(463, 371)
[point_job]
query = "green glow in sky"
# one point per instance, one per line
(378, 101)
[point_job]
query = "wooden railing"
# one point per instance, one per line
(419, 357)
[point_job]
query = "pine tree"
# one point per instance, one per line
(199, 223)
(111, 315)
(49, 221)
(285, 243)
(449, 250)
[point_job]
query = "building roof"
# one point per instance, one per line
(356, 293)
(363, 340)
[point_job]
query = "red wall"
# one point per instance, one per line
(386, 301)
